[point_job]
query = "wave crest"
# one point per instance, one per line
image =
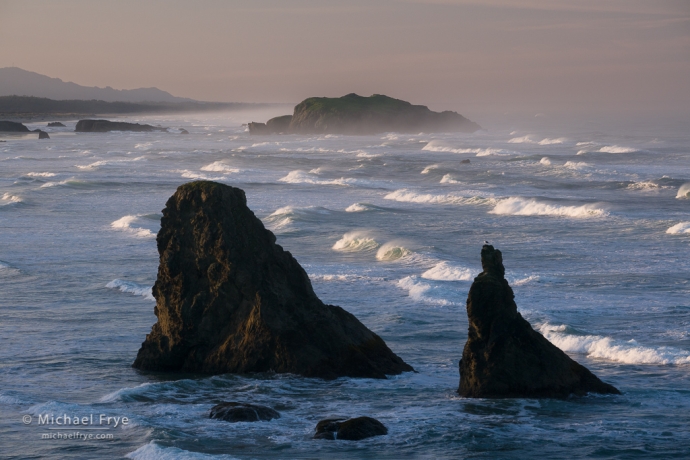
(683, 227)
(444, 271)
(594, 346)
(392, 251)
(684, 192)
(132, 288)
(518, 206)
(357, 241)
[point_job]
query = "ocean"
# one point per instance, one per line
(593, 222)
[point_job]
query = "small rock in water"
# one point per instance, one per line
(504, 357)
(466, 161)
(183, 131)
(55, 124)
(242, 412)
(352, 429)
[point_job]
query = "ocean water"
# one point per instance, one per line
(593, 222)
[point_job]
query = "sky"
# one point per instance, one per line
(607, 56)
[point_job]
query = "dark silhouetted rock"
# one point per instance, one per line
(273, 126)
(352, 429)
(56, 124)
(466, 161)
(42, 134)
(504, 356)
(13, 127)
(242, 412)
(228, 299)
(354, 114)
(104, 126)
(183, 131)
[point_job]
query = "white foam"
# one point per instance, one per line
(548, 141)
(545, 161)
(576, 165)
(645, 185)
(444, 271)
(441, 146)
(356, 241)
(196, 176)
(132, 288)
(153, 451)
(683, 192)
(6, 268)
(406, 196)
(360, 207)
(617, 149)
(40, 174)
(683, 227)
(448, 179)
(303, 177)
(8, 198)
(523, 281)
(418, 291)
(429, 168)
(627, 352)
(343, 277)
(125, 224)
(522, 140)
(392, 250)
(219, 166)
(99, 163)
(518, 206)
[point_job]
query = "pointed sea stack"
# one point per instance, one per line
(228, 299)
(504, 357)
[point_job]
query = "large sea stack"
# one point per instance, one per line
(504, 357)
(228, 299)
(359, 115)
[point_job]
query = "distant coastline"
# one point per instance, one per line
(29, 108)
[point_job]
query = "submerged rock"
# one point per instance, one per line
(104, 126)
(228, 299)
(352, 429)
(183, 131)
(242, 412)
(504, 356)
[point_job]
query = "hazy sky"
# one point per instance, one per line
(462, 55)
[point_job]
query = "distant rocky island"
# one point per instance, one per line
(104, 126)
(359, 115)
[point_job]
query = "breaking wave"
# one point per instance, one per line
(40, 174)
(361, 207)
(548, 141)
(153, 451)
(392, 251)
(522, 140)
(125, 224)
(132, 288)
(8, 199)
(517, 206)
(617, 149)
(419, 291)
(594, 346)
(283, 217)
(444, 271)
(545, 161)
(448, 179)
(440, 146)
(356, 241)
(683, 227)
(219, 166)
(303, 177)
(406, 196)
(683, 192)
(187, 174)
(430, 168)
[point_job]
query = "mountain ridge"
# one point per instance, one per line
(15, 81)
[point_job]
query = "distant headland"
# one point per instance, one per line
(359, 115)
